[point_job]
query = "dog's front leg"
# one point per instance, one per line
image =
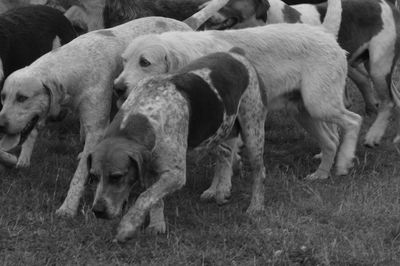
(24, 159)
(172, 171)
(77, 185)
(157, 222)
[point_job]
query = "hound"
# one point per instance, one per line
(302, 66)
(26, 33)
(204, 104)
(78, 75)
(368, 32)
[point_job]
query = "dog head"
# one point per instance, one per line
(238, 14)
(146, 56)
(26, 100)
(119, 164)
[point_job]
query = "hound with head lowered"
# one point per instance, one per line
(302, 66)
(205, 103)
(79, 75)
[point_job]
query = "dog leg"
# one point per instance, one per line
(364, 85)
(322, 133)
(252, 116)
(24, 159)
(378, 128)
(221, 185)
(157, 222)
(70, 205)
(172, 178)
(332, 111)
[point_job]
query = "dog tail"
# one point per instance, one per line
(199, 18)
(333, 16)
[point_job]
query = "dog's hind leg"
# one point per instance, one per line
(252, 115)
(324, 134)
(364, 85)
(221, 185)
(324, 102)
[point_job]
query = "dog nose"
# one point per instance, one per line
(120, 88)
(99, 210)
(3, 124)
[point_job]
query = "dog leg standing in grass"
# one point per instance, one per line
(79, 75)
(162, 119)
(302, 67)
(375, 44)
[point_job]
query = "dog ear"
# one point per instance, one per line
(141, 159)
(57, 97)
(262, 7)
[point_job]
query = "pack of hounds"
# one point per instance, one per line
(180, 90)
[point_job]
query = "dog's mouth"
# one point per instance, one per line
(223, 25)
(28, 128)
(9, 141)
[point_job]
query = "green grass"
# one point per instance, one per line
(352, 220)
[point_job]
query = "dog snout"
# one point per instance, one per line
(3, 124)
(120, 88)
(100, 210)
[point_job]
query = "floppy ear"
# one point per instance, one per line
(57, 97)
(262, 9)
(141, 159)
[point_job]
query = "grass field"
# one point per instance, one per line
(352, 220)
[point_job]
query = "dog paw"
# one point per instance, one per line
(317, 175)
(222, 196)
(254, 210)
(23, 161)
(79, 157)
(208, 194)
(156, 228)
(65, 212)
(344, 169)
(124, 233)
(373, 139)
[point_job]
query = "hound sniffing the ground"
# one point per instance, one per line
(79, 75)
(302, 67)
(206, 103)
(369, 32)
(26, 33)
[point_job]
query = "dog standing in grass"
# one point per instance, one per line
(208, 101)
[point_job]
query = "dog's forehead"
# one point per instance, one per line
(25, 82)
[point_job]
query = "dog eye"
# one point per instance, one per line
(21, 98)
(115, 178)
(143, 62)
